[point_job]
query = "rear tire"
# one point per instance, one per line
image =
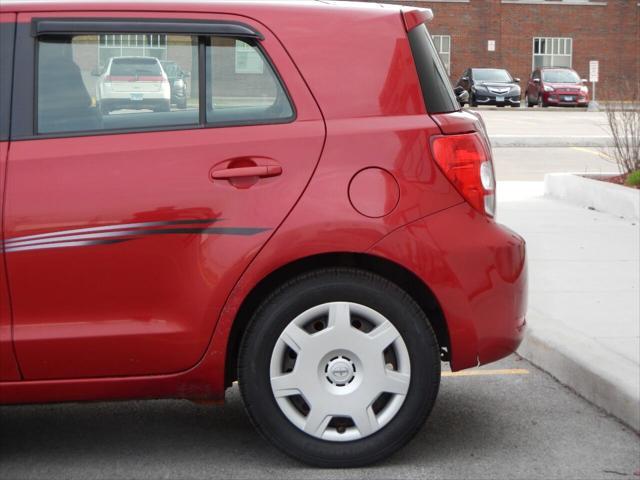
(530, 104)
(344, 307)
(472, 101)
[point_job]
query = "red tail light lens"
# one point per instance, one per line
(466, 161)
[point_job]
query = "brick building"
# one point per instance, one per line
(518, 34)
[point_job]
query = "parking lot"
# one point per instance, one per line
(505, 420)
(509, 420)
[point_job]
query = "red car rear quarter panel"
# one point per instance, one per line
(368, 91)
(477, 271)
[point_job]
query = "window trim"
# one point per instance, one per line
(7, 41)
(75, 26)
(24, 119)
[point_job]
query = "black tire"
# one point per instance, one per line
(541, 102)
(315, 288)
(472, 101)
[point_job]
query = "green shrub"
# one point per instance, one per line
(633, 179)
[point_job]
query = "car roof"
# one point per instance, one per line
(190, 5)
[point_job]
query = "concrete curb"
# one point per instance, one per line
(534, 141)
(587, 192)
(608, 380)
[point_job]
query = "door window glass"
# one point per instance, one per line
(242, 87)
(116, 81)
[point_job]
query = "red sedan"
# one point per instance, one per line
(318, 223)
(555, 86)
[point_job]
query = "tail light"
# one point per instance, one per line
(466, 161)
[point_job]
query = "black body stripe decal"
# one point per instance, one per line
(112, 234)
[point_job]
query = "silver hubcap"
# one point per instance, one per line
(340, 371)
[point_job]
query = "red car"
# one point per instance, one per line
(556, 86)
(318, 224)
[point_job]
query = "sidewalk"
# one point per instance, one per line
(584, 296)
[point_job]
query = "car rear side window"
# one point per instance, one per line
(434, 81)
(242, 87)
(115, 82)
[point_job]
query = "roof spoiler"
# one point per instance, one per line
(413, 16)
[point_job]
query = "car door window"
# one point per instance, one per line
(114, 82)
(242, 86)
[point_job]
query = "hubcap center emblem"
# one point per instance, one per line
(340, 371)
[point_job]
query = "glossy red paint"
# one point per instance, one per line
(415, 16)
(8, 365)
(152, 317)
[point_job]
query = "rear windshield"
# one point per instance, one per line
(434, 81)
(135, 67)
(560, 76)
(491, 75)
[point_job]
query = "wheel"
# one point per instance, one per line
(530, 104)
(541, 102)
(472, 101)
(339, 368)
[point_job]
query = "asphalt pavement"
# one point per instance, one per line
(510, 422)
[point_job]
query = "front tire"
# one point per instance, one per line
(339, 368)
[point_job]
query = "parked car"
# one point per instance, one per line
(326, 239)
(490, 86)
(557, 87)
(133, 83)
(177, 81)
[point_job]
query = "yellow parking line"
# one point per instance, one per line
(476, 373)
(591, 151)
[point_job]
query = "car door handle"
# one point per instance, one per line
(262, 171)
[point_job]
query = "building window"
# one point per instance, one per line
(552, 52)
(443, 47)
(132, 45)
(248, 59)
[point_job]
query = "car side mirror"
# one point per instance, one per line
(536, 80)
(461, 94)
(516, 80)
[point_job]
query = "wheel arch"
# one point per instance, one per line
(387, 269)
